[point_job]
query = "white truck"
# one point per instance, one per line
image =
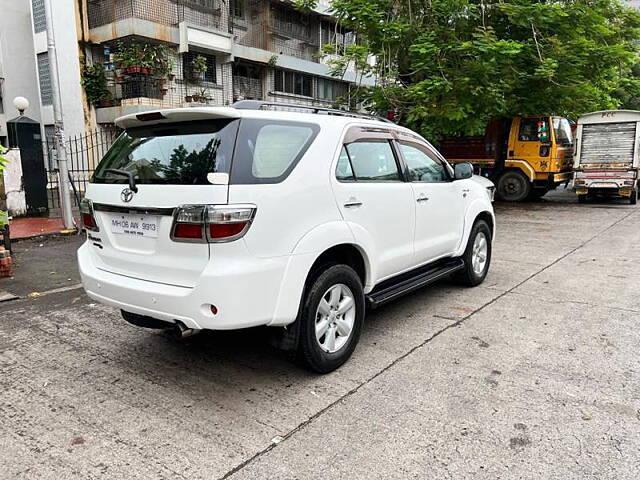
(606, 158)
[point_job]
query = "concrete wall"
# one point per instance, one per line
(17, 60)
(71, 93)
(16, 200)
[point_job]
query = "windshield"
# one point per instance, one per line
(562, 130)
(180, 154)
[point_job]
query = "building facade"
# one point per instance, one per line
(213, 52)
(250, 49)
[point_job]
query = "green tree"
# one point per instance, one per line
(447, 66)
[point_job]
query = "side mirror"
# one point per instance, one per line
(462, 171)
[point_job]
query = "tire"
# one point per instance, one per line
(513, 186)
(582, 199)
(320, 354)
(469, 276)
(633, 199)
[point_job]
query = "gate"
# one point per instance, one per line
(84, 152)
(24, 133)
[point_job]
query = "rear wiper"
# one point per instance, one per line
(124, 173)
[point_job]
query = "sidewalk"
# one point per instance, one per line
(29, 227)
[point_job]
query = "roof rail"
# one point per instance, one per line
(260, 105)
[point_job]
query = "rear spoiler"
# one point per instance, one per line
(173, 115)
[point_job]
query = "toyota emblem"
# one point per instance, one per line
(126, 195)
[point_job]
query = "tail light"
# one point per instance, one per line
(211, 223)
(87, 216)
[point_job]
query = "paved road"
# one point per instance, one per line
(535, 374)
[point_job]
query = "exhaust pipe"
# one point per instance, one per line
(180, 330)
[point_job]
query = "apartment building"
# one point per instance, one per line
(211, 52)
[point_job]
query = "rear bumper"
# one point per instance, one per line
(245, 293)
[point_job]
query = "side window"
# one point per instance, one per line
(343, 169)
(267, 151)
(276, 148)
(529, 130)
(373, 161)
(422, 166)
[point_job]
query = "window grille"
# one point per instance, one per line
(44, 77)
(39, 16)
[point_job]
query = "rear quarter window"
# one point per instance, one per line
(267, 151)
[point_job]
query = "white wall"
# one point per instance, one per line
(17, 59)
(16, 200)
(66, 39)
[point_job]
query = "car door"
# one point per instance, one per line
(525, 141)
(378, 204)
(440, 202)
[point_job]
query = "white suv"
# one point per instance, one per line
(233, 217)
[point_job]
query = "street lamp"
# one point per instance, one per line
(21, 104)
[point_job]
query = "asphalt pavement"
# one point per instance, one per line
(533, 375)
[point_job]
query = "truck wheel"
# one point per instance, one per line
(477, 256)
(582, 199)
(513, 186)
(331, 319)
(633, 199)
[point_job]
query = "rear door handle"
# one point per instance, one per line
(422, 198)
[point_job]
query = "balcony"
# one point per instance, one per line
(139, 93)
(154, 19)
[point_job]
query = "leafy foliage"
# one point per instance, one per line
(447, 66)
(94, 81)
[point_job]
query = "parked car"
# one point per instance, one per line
(226, 218)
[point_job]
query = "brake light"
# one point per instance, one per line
(87, 216)
(211, 223)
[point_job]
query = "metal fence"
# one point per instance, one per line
(83, 154)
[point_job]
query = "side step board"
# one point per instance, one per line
(408, 282)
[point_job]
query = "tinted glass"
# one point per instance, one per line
(343, 169)
(179, 154)
(267, 151)
(422, 166)
(373, 161)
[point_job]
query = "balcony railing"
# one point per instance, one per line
(162, 93)
(205, 13)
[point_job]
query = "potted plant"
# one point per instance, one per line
(94, 82)
(188, 98)
(199, 67)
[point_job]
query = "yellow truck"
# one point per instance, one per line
(525, 157)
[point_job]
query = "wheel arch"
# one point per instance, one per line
(479, 209)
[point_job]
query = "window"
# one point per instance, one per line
(187, 66)
(293, 82)
(331, 89)
(179, 154)
(562, 129)
(39, 16)
(373, 161)
(344, 172)
(423, 167)
(237, 7)
(44, 77)
(268, 151)
(290, 22)
(276, 148)
(337, 36)
(529, 130)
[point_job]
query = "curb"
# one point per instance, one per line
(46, 235)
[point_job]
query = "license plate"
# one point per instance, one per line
(136, 225)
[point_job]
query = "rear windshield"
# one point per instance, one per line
(171, 154)
(266, 151)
